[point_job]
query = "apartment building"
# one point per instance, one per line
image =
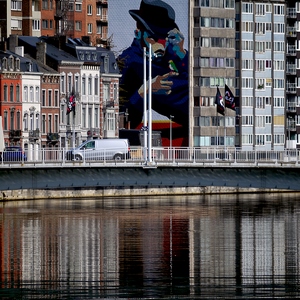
(252, 47)
(212, 65)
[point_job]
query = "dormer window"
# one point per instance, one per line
(106, 64)
(18, 64)
(29, 66)
(11, 63)
(4, 63)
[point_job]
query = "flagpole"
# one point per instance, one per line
(145, 106)
(150, 107)
(73, 129)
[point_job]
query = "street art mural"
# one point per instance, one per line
(158, 23)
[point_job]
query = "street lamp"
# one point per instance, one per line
(171, 117)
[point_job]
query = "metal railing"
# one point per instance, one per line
(161, 156)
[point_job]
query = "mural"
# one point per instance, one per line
(155, 23)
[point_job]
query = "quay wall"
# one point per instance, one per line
(71, 182)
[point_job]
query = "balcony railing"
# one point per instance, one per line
(291, 50)
(291, 106)
(291, 31)
(291, 68)
(15, 134)
(34, 134)
(52, 137)
(291, 88)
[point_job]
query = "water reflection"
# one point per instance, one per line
(195, 247)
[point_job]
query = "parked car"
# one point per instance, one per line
(100, 149)
(13, 153)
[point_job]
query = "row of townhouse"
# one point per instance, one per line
(56, 17)
(37, 77)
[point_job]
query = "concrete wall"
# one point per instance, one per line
(33, 183)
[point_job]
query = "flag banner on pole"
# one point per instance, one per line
(220, 103)
(229, 98)
(71, 104)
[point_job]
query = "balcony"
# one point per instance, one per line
(291, 50)
(291, 31)
(291, 13)
(291, 88)
(291, 106)
(103, 2)
(34, 134)
(52, 137)
(15, 135)
(291, 69)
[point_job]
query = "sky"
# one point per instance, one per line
(121, 25)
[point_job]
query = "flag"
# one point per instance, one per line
(71, 104)
(220, 103)
(229, 98)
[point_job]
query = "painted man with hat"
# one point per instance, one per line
(155, 25)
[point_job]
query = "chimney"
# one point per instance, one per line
(13, 42)
(62, 42)
(41, 48)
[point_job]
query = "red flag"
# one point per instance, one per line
(71, 104)
(229, 98)
(220, 103)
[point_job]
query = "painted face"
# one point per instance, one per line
(158, 45)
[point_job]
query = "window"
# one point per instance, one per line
(50, 123)
(105, 93)
(89, 10)
(25, 93)
(279, 139)
(279, 28)
(247, 8)
(115, 92)
(5, 121)
(278, 83)
(278, 102)
(31, 94)
(44, 4)
(69, 83)
(279, 46)
(260, 28)
(247, 45)
(96, 117)
(247, 26)
(90, 85)
(78, 25)
(56, 125)
(11, 93)
(35, 25)
(247, 83)
(16, 5)
(247, 139)
(247, 64)
(56, 102)
(50, 98)
(62, 83)
(83, 118)
(247, 101)
(247, 120)
(260, 9)
(76, 83)
(259, 139)
(18, 120)
(83, 86)
(37, 94)
(16, 24)
(99, 10)
(44, 24)
(43, 124)
(18, 93)
(110, 121)
(99, 28)
(78, 6)
(96, 87)
(43, 98)
(278, 9)
(90, 27)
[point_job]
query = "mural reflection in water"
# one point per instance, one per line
(196, 246)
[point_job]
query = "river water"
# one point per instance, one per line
(184, 247)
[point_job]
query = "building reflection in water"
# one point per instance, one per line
(197, 245)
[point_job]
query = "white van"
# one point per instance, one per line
(101, 149)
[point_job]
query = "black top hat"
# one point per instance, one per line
(157, 17)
